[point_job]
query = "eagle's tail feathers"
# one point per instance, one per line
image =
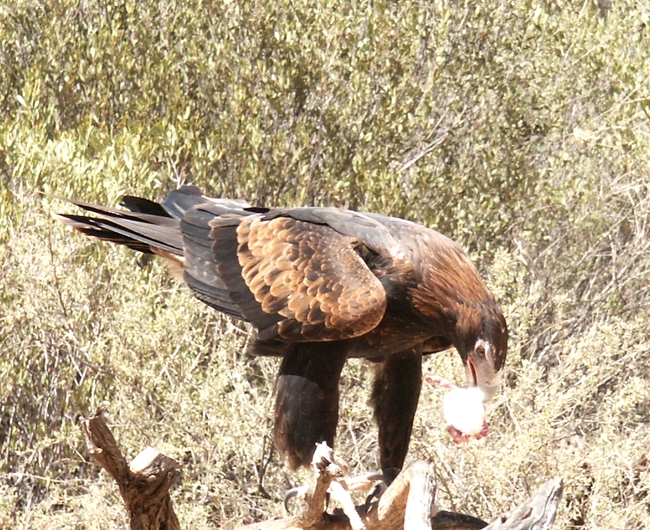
(145, 232)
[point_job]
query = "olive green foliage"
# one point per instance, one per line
(520, 129)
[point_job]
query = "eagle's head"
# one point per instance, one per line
(482, 342)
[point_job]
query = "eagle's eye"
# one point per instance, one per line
(480, 351)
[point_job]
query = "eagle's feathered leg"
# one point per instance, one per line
(395, 393)
(307, 399)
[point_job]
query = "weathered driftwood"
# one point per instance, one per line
(408, 503)
(144, 484)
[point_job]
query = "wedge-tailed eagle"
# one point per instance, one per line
(322, 285)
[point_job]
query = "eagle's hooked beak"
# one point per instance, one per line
(482, 374)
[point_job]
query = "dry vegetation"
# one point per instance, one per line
(520, 129)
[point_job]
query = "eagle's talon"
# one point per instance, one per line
(375, 494)
(298, 491)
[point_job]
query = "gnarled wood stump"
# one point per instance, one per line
(144, 484)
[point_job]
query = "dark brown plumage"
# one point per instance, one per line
(322, 285)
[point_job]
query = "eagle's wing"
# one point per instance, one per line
(302, 274)
(292, 276)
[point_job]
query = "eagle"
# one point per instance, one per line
(321, 285)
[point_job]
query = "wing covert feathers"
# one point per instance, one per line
(309, 275)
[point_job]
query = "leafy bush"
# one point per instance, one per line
(519, 129)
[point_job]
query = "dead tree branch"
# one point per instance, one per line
(409, 504)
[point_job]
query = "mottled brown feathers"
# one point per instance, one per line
(311, 276)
